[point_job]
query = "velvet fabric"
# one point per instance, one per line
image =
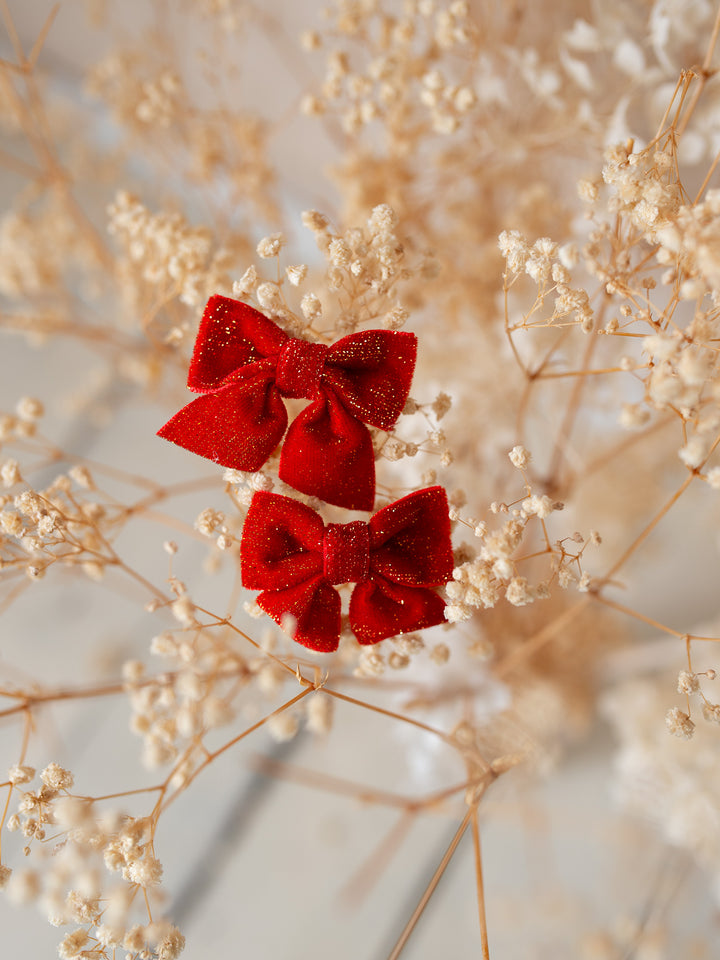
(289, 553)
(243, 364)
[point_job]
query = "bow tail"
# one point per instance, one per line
(381, 609)
(328, 453)
(315, 608)
(237, 426)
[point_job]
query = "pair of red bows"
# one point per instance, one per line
(295, 559)
(243, 365)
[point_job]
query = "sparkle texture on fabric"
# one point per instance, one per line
(395, 560)
(243, 364)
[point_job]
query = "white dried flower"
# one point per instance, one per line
(260, 481)
(440, 653)
(270, 246)
(23, 886)
(72, 945)
(296, 273)
(396, 318)
(29, 408)
(568, 255)
(145, 872)
(11, 523)
(712, 477)
(72, 812)
(383, 219)
(588, 191)
(283, 726)
(20, 774)
(457, 612)
(10, 473)
(519, 457)
(540, 507)
(371, 663)
(711, 712)
(339, 252)
(518, 592)
(393, 449)
(183, 611)
(133, 670)
(315, 221)
(515, 249)
(679, 723)
(398, 661)
(320, 712)
(208, 520)
(247, 283)
(311, 307)
(633, 416)
(441, 405)
(57, 778)
(687, 682)
(695, 451)
(81, 476)
(170, 945)
(268, 295)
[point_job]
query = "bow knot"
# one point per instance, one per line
(394, 561)
(346, 552)
(243, 365)
(300, 368)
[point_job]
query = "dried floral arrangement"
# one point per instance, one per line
(432, 268)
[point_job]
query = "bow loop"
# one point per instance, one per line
(372, 371)
(410, 539)
(230, 337)
(287, 552)
(300, 368)
(238, 425)
(282, 543)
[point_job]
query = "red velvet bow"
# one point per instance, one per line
(289, 553)
(244, 364)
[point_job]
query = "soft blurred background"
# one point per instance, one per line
(255, 860)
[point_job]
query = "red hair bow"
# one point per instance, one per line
(244, 364)
(289, 553)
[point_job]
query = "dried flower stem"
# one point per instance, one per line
(484, 946)
(430, 889)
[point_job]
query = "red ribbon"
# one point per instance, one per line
(244, 364)
(295, 559)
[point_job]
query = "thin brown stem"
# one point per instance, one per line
(368, 873)
(42, 36)
(387, 713)
(705, 74)
(566, 427)
(211, 757)
(538, 640)
(431, 887)
(622, 560)
(480, 885)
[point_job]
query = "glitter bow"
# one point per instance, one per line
(289, 553)
(244, 364)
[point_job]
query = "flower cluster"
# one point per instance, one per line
(70, 884)
(406, 53)
(176, 259)
(494, 571)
